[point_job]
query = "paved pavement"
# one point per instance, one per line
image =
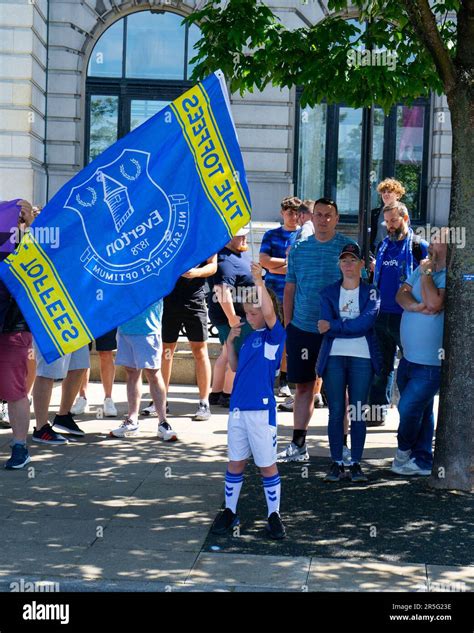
(107, 514)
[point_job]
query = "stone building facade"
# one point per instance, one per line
(45, 102)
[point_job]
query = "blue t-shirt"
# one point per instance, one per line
(275, 243)
(391, 270)
(313, 265)
(145, 323)
(389, 282)
(259, 362)
(233, 270)
(422, 334)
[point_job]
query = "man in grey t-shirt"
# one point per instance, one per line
(312, 264)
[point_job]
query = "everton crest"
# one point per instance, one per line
(132, 227)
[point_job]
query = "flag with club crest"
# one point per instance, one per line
(156, 203)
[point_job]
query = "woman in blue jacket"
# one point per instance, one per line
(348, 358)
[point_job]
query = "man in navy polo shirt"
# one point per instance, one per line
(273, 252)
(398, 256)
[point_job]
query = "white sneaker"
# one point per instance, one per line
(401, 458)
(110, 410)
(166, 433)
(80, 406)
(346, 456)
(411, 468)
(318, 401)
(203, 413)
(128, 428)
(284, 391)
(4, 419)
(293, 453)
(149, 410)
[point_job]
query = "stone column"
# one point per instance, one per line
(439, 185)
(23, 35)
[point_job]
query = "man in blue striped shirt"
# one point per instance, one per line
(312, 265)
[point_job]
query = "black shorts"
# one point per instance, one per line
(107, 342)
(192, 316)
(302, 349)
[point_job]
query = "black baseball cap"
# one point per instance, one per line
(352, 249)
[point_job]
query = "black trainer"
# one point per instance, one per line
(356, 473)
(275, 528)
(224, 400)
(225, 521)
(336, 472)
(214, 397)
(46, 435)
(66, 424)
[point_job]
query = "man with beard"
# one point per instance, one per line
(398, 256)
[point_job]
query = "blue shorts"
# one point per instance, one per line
(139, 351)
(57, 370)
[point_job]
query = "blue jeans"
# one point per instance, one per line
(355, 375)
(418, 385)
(387, 330)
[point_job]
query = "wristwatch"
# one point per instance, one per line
(427, 272)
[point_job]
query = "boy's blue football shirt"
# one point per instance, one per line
(259, 362)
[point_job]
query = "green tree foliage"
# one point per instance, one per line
(248, 42)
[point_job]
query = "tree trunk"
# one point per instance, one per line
(454, 437)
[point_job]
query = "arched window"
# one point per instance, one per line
(137, 67)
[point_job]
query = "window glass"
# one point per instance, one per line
(194, 34)
(106, 58)
(377, 157)
(348, 160)
(102, 124)
(409, 155)
(155, 46)
(312, 152)
(142, 109)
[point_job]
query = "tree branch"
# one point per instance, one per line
(424, 23)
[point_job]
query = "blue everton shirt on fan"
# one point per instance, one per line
(259, 361)
(275, 243)
(389, 282)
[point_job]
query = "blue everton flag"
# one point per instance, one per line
(158, 202)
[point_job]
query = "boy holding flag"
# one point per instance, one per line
(252, 421)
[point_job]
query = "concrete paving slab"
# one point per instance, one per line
(80, 506)
(443, 578)
(257, 571)
(43, 560)
(167, 536)
(54, 532)
(152, 500)
(132, 562)
(331, 574)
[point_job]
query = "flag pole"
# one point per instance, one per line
(252, 247)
